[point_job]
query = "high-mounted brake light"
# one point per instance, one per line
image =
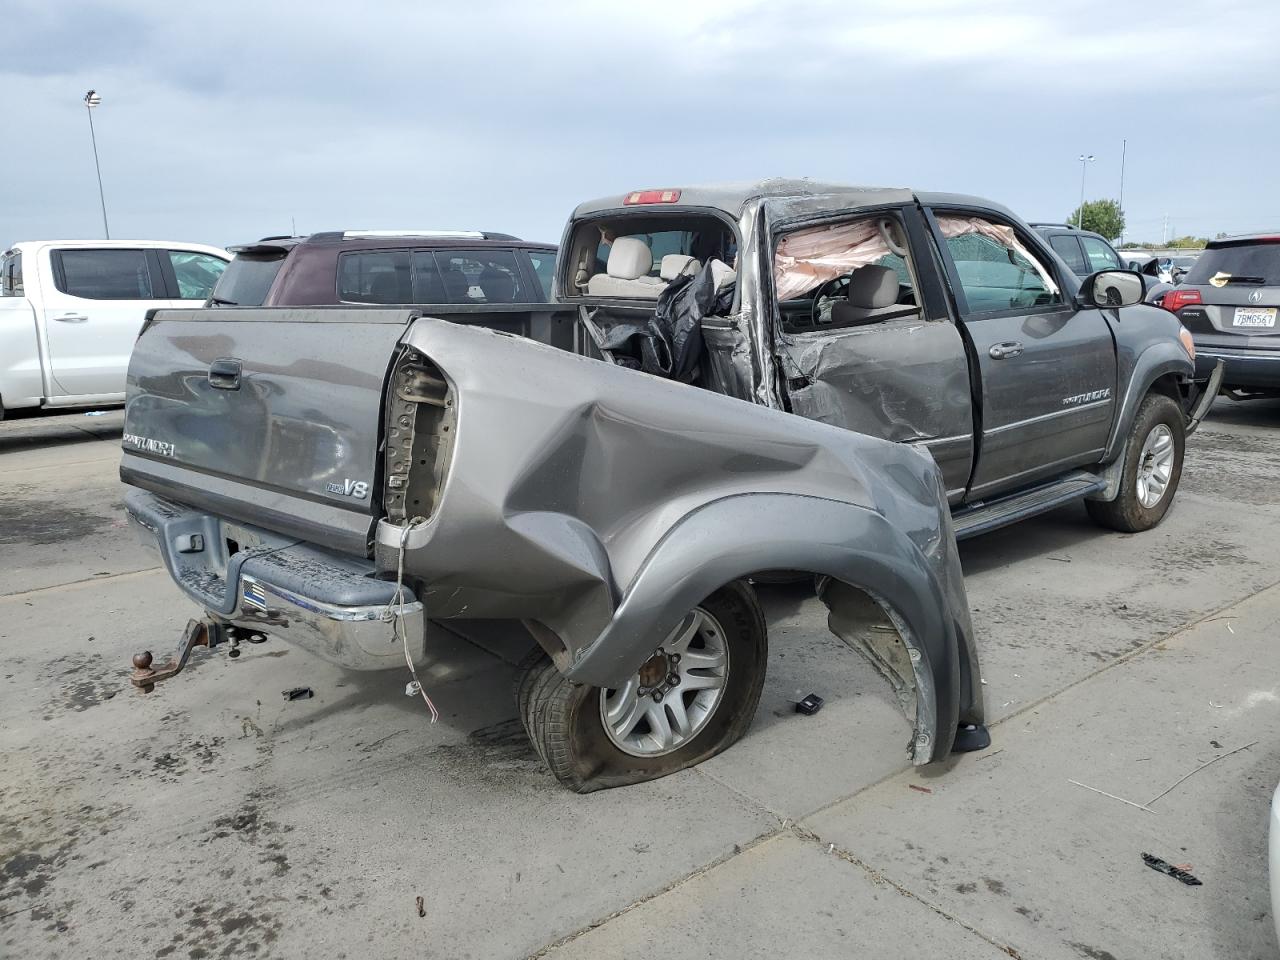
(650, 196)
(1175, 300)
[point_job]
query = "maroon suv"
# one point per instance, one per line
(387, 267)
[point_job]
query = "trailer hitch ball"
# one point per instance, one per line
(145, 676)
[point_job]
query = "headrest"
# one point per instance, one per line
(675, 264)
(873, 286)
(498, 285)
(629, 259)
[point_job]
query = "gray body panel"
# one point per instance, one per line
(603, 503)
(303, 416)
(903, 380)
(1034, 424)
(995, 427)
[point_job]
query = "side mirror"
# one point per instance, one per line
(1113, 288)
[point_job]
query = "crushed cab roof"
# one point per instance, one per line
(732, 197)
(812, 195)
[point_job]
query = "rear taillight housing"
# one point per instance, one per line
(1175, 300)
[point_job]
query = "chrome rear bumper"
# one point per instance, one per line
(326, 603)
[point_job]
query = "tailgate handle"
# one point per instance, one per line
(224, 374)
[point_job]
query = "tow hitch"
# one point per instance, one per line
(199, 633)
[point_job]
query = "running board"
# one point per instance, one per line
(987, 515)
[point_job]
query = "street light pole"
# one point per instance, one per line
(91, 100)
(1084, 161)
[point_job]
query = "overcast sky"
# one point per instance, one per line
(222, 121)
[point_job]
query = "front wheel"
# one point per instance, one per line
(1152, 469)
(693, 697)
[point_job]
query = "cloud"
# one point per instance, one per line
(222, 122)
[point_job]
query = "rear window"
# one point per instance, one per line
(105, 274)
(1257, 263)
(247, 280)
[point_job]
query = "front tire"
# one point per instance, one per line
(1152, 469)
(693, 698)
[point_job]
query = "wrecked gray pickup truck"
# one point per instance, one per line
(335, 476)
(924, 318)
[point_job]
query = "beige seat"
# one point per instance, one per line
(627, 272)
(677, 264)
(873, 296)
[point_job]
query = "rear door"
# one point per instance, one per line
(1048, 370)
(92, 315)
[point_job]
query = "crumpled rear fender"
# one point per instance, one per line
(599, 505)
(737, 536)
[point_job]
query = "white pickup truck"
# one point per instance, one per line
(70, 312)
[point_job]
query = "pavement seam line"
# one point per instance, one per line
(35, 591)
(1036, 704)
(807, 835)
(55, 466)
(753, 801)
(738, 850)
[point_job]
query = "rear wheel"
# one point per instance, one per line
(1152, 469)
(692, 698)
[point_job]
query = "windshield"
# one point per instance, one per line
(246, 281)
(1258, 262)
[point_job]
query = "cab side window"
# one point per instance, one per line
(1067, 247)
(11, 275)
(544, 266)
(375, 276)
(840, 275)
(1101, 256)
(104, 274)
(997, 271)
(196, 273)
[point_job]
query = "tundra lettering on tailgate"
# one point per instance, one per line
(162, 447)
(349, 488)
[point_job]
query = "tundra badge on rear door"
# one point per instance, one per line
(349, 488)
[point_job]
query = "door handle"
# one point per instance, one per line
(225, 374)
(1003, 351)
(72, 318)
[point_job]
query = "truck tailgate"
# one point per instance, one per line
(272, 417)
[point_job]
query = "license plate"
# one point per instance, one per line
(1255, 317)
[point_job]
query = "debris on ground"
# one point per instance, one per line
(1161, 866)
(809, 705)
(918, 788)
(298, 693)
(1182, 780)
(422, 907)
(1140, 806)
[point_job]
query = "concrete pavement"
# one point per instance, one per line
(214, 818)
